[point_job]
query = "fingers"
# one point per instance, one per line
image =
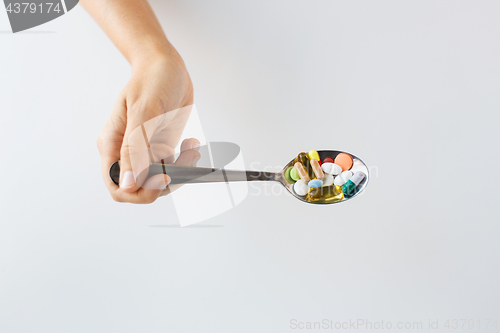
(134, 154)
(110, 140)
(150, 191)
(189, 157)
(191, 143)
(110, 145)
(120, 141)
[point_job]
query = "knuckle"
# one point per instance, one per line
(116, 197)
(99, 142)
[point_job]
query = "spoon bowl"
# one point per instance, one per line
(358, 165)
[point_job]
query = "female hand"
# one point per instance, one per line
(145, 126)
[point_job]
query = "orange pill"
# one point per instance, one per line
(302, 172)
(344, 161)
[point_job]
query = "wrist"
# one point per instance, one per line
(151, 52)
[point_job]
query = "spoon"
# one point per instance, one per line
(195, 175)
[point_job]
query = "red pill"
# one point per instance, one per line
(328, 159)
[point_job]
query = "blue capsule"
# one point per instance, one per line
(315, 183)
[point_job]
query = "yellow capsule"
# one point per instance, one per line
(325, 194)
(302, 158)
(313, 154)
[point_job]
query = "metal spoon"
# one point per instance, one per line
(195, 175)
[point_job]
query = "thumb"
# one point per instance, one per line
(134, 155)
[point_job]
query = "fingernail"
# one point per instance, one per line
(128, 180)
(164, 183)
(196, 146)
(195, 160)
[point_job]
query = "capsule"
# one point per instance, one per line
(302, 158)
(349, 188)
(325, 194)
(317, 169)
(313, 155)
(302, 172)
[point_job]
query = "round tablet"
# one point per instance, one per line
(344, 160)
(294, 174)
(300, 188)
(287, 175)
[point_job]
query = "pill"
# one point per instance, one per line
(302, 158)
(315, 183)
(331, 168)
(313, 155)
(328, 159)
(287, 175)
(325, 194)
(300, 188)
(344, 160)
(318, 172)
(328, 180)
(342, 178)
(349, 187)
(302, 172)
(294, 174)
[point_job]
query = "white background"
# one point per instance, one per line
(411, 87)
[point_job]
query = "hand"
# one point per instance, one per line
(156, 102)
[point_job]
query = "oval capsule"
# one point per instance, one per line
(313, 155)
(304, 159)
(302, 172)
(325, 194)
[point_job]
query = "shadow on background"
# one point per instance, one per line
(173, 226)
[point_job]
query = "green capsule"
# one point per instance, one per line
(349, 188)
(325, 194)
(302, 158)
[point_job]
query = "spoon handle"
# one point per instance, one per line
(189, 175)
